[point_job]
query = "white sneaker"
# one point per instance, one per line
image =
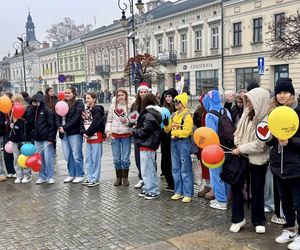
(14, 176)
(26, 179)
(213, 201)
(51, 181)
(260, 229)
(219, 205)
(295, 245)
(286, 236)
(9, 175)
(278, 220)
(77, 180)
(139, 184)
(68, 179)
(235, 227)
(40, 181)
(18, 180)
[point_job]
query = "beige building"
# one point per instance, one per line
(245, 32)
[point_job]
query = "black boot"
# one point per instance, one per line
(125, 177)
(118, 181)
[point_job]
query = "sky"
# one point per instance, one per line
(47, 12)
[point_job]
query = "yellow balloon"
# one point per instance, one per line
(22, 161)
(283, 122)
(214, 165)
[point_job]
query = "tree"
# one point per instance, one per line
(143, 68)
(285, 37)
(5, 85)
(66, 30)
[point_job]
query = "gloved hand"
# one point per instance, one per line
(165, 121)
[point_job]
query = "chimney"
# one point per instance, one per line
(45, 45)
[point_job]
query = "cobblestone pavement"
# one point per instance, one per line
(71, 216)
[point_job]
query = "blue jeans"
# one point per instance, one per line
(148, 170)
(72, 150)
(93, 161)
(220, 188)
(20, 172)
(182, 167)
(121, 148)
(47, 170)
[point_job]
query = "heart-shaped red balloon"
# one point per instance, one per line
(34, 162)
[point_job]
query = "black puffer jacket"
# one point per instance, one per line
(147, 132)
(21, 131)
(41, 120)
(73, 119)
(97, 125)
(291, 155)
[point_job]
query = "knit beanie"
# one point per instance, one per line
(183, 98)
(172, 92)
(143, 86)
(284, 84)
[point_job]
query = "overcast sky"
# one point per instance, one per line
(47, 12)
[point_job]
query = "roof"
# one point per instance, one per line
(75, 41)
(102, 29)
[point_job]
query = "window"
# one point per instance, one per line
(257, 30)
(281, 71)
(279, 27)
(121, 56)
(159, 45)
(244, 76)
(183, 43)
(76, 62)
(43, 69)
(55, 68)
(113, 57)
(215, 38)
(237, 34)
(105, 58)
(47, 69)
(51, 68)
(171, 43)
(198, 40)
(61, 65)
(98, 58)
(66, 64)
(82, 62)
(206, 80)
(92, 63)
(148, 47)
(71, 63)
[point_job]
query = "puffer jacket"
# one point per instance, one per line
(41, 120)
(147, 132)
(245, 135)
(21, 131)
(291, 154)
(113, 123)
(73, 119)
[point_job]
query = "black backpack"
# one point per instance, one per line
(226, 128)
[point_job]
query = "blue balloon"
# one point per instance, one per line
(165, 114)
(28, 149)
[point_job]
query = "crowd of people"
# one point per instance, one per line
(139, 120)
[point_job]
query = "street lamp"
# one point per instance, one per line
(22, 44)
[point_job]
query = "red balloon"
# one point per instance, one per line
(61, 95)
(212, 154)
(18, 110)
(34, 162)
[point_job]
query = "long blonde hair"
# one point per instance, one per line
(274, 103)
(19, 98)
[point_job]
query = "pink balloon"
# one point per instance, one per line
(61, 108)
(9, 147)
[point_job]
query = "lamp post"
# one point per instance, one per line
(22, 44)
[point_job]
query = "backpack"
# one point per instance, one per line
(194, 147)
(226, 128)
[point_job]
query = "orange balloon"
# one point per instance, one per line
(212, 154)
(205, 136)
(5, 104)
(219, 164)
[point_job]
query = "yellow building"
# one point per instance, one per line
(246, 24)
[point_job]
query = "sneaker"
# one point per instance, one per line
(9, 175)
(278, 220)
(85, 182)
(26, 179)
(268, 210)
(77, 180)
(260, 229)
(219, 205)
(286, 236)
(3, 178)
(213, 201)
(186, 199)
(176, 197)
(295, 245)
(18, 180)
(235, 227)
(14, 176)
(142, 194)
(93, 184)
(151, 196)
(40, 181)
(68, 179)
(51, 181)
(139, 184)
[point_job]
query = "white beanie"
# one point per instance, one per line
(143, 86)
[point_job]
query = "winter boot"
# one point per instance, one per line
(118, 181)
(125, 177)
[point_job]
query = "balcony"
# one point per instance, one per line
(168, 57)
(103, 71)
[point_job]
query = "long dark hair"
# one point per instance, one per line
(72, 101)
(50, 100)
(149, 99)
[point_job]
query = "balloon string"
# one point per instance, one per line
(231, 150)
(43, 148)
